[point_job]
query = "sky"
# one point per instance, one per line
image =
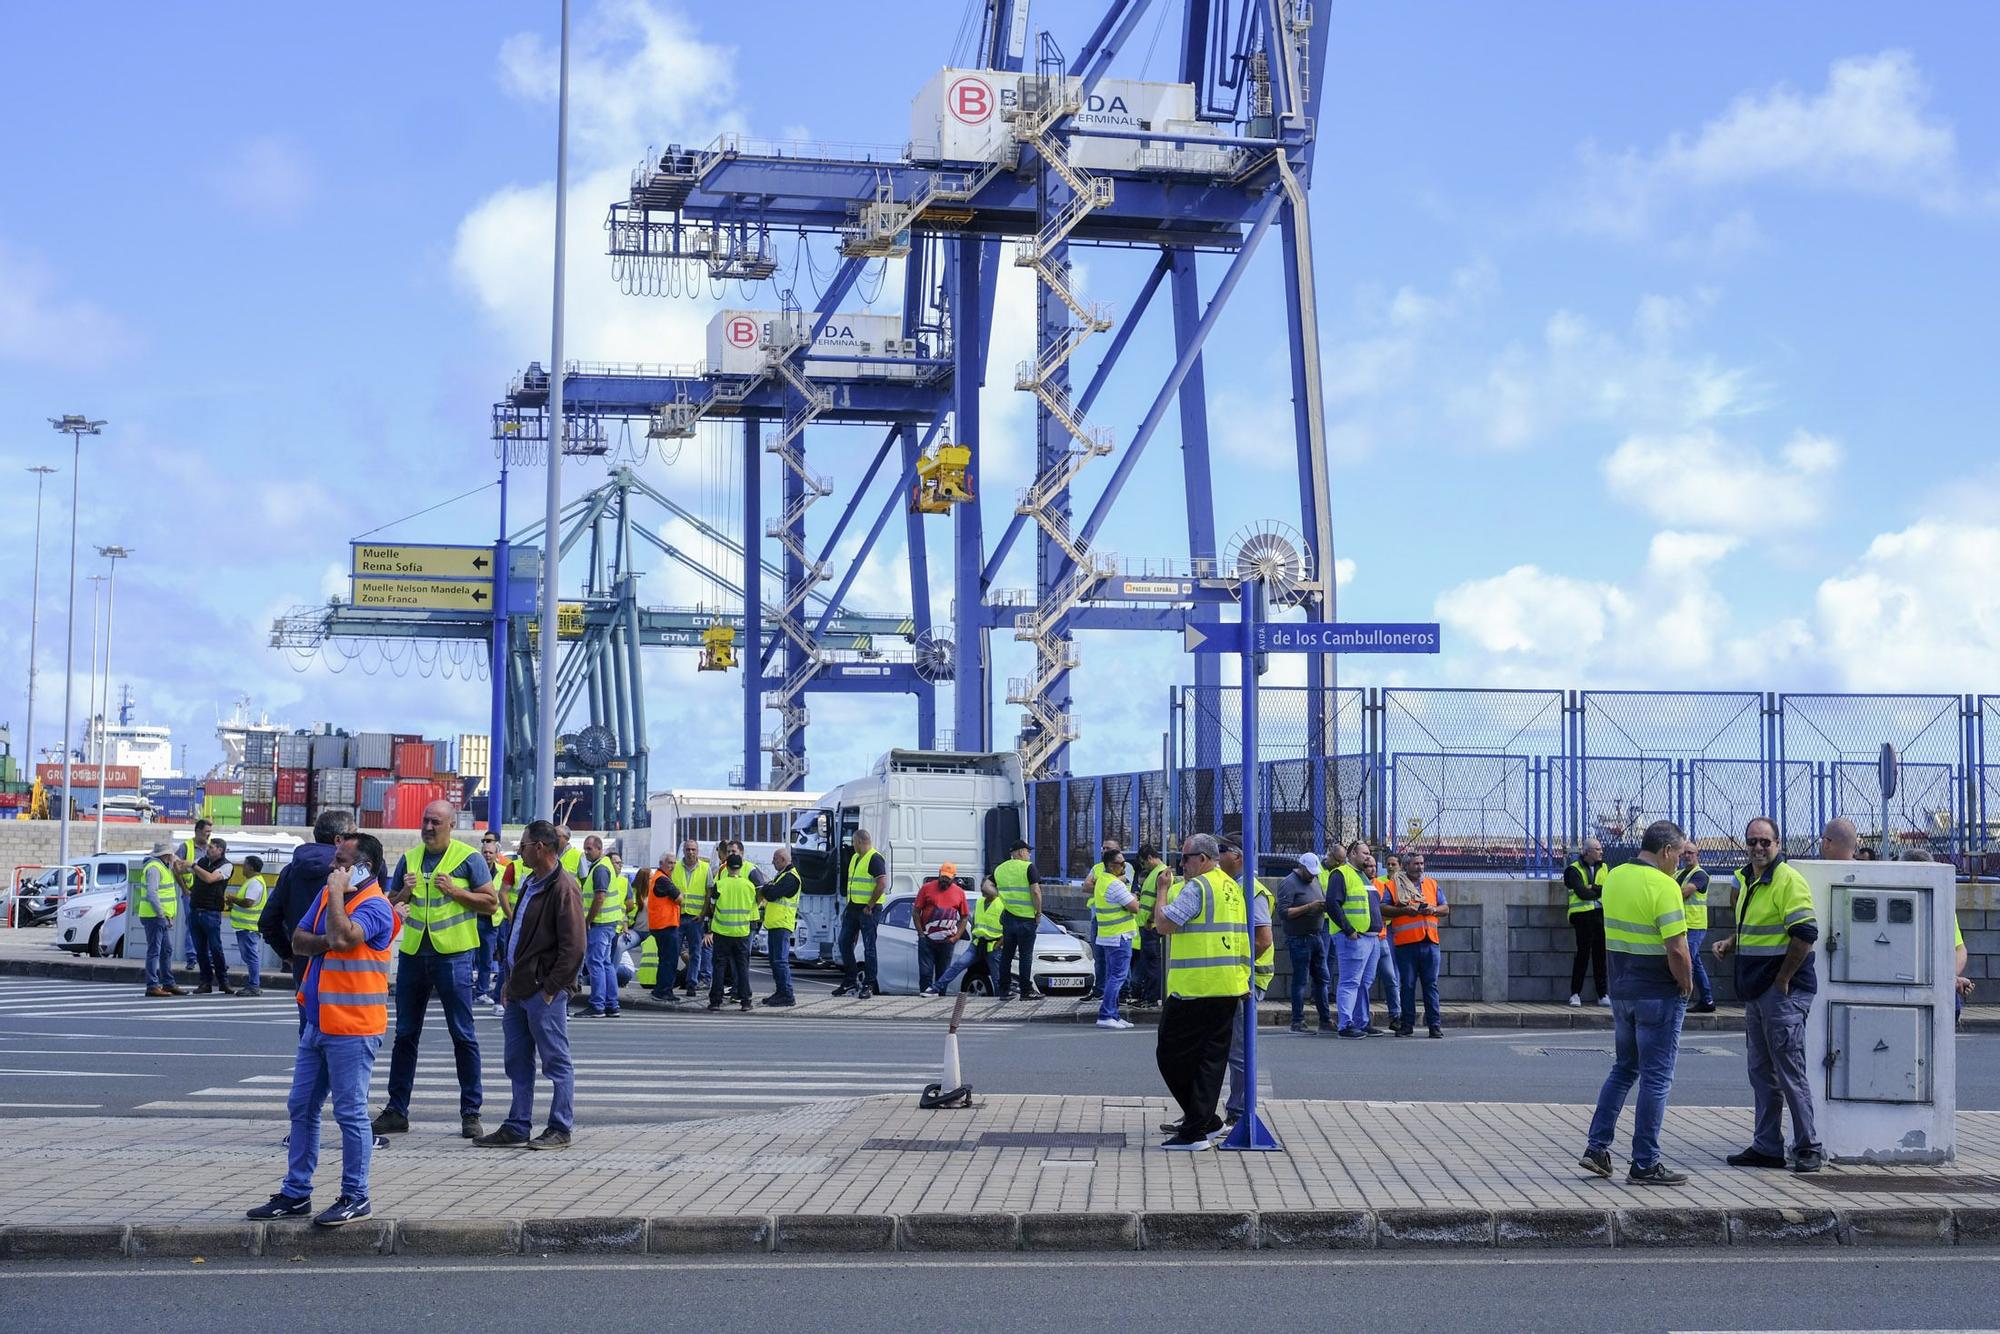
(1656, 340)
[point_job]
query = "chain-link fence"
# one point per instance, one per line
(1513, 781)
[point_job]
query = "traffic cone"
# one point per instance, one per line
(951, 1090)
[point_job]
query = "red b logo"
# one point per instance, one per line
(970, 101)
(742, 332)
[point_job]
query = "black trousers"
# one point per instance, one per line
(732, 964)
(1193, 1053)
(1017, 940)
(1589, 928)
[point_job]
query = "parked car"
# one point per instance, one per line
(95, 922)
(38, 896)
(1063, 962)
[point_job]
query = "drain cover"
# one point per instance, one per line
(1877, 1184)
(1052, 1139)
(921, 1145)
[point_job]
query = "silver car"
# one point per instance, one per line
(1063, 964)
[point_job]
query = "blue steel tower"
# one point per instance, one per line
(1025, 159)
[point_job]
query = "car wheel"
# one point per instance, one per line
(97, 950)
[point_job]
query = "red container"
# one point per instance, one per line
(363, 775)
(372, 820)
(292, 786)
(257, 812)
(413, 760)
(405, 807)
(216, 787)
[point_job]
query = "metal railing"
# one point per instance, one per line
(1512, 781)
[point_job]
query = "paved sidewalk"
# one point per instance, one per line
(1079, 1173)
(29, 953)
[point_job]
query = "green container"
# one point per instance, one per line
(223, 810)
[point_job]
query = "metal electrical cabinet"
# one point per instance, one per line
(1879, 1041)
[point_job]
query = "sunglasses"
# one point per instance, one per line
(1761, 842)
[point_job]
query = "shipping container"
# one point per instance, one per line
(372, 750)
(475, 755)
(260, 786)
(375, 794)
(965, 115)
(295, 751)
(294, 785)
(291, 815)
(405, 807)
(332, 806)
(260, 750)
(737, 341)
(329, 752)
(413, 760)
(256, 813)
(221, 787)
(372, 820)
(334, 787)
(172, 808)
(224, 810)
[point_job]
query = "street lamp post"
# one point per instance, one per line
(114, 554)
(41, 472)
(76, 427)
(545, 711)
(93, 734)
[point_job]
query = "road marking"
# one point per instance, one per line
(697, 1110)
(102, 1037)
(671, 1084)
(51, 1106)
(774, 1097)
(84, 1074)
(1096, 1262)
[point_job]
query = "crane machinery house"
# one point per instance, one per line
(739, 342)
(963, 115)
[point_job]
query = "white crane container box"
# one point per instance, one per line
(965, 115)
(738, 341)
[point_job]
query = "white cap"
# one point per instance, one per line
(1309, 863)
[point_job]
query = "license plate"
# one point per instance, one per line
(1063, 983)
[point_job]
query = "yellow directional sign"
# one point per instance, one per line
(405, 560)
(423, 594)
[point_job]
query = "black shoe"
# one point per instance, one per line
(1752, 1158)
(1185, 1144)
(866, 993)
(506, 1137)
(1809, 1160)
(1706, 1008)
(767, 1000)
(714, 1005)
(1597, 1161)
(842, 990)
(281, 1206)
(1170, 1127)
(550, 1138)
(612, 1014)
(249, 991)
(783, 1002)
(1437, 1031)
(743, 1006)
(389, 1121)
(226, 990)
(1375, 1032)
(469, 1127)
(203, 990)
(1659, 1174)
(1401, 1030)
(346, 1209)
(1298, 1026)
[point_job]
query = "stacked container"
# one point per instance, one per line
(295, 751)
(257, 813)
(372, 750)
(413, 760)
(406, 802)
(293, 786)
(291, 816)
(226, 811)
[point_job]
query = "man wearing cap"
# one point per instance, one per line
(156, 902)
(1114, 914)
(940, 918)
(1302, 909)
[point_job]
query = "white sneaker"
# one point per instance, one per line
(1576, 1002)
(1605, 1001)
(1126, 1023)
(499, 1010)
(1110, 1023)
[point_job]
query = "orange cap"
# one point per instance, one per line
(948, 868)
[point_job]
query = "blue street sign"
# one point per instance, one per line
(1318, 637)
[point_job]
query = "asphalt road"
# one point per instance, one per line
(1664, 1290)
(97, 1049)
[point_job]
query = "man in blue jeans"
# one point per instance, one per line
(155, 902)
(543, 955)
(866, 882)
(1651, 978)
(1302, 909)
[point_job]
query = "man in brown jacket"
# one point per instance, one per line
(544, 952)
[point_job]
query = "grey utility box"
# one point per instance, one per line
(1879, 1042)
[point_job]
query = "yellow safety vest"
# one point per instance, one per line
(245, 919)
(986, 919)
(693, 886)
(452, 928)
(860, 884)
(499, 913)
(783, 914)
(1353, 907)
(1016, 898)
(1766, 911)
(1113, 922)
(1589, 874)
(185, 879)
(1642, 909)
(615, 891)
(735, 905)
(1697, 906)
(169, 899)
(1210, 955)
(571, 860)
(649, 963)
(1149, 894)
(1266, 966)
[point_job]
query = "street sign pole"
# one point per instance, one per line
(496, 745)
(1250, 1134)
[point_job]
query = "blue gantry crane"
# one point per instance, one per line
(1042, 153)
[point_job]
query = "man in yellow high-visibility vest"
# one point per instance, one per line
(1209, 955)
(867, 880)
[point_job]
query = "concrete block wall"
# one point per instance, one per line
(35, 842)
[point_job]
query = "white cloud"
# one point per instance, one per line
(269, 178)
(1920, 610)
(1700, 477)
(1868, 130)
(41, 327)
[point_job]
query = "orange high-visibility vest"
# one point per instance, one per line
(1410, 930)
(353, 984)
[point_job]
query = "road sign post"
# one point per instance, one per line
(1250, 1134)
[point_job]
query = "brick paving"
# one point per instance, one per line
(834, 1158)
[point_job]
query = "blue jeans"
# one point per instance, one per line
(1146, 966)
(701, 958)
(978, 955)
(538, 1027)
(1385, 972)
(214, 965)
(1114, 961)
(250, 949)
(666, 960)
(159, 950)
(599, 968)
(1704, 990)
(340, 1066)
(450, 975)
(1309, 967)
(856, 924)
(190, 945)
(503, 935)
(1356, 957)
(933, 960)
(1648, 1038)
(778, 941)
(1233, 1104)
(482, 960)
(1417, 965)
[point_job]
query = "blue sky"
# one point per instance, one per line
(1657, 341)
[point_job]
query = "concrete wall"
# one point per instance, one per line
(34, 842)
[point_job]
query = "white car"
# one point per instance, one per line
(1064, 965)
(94, 922)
